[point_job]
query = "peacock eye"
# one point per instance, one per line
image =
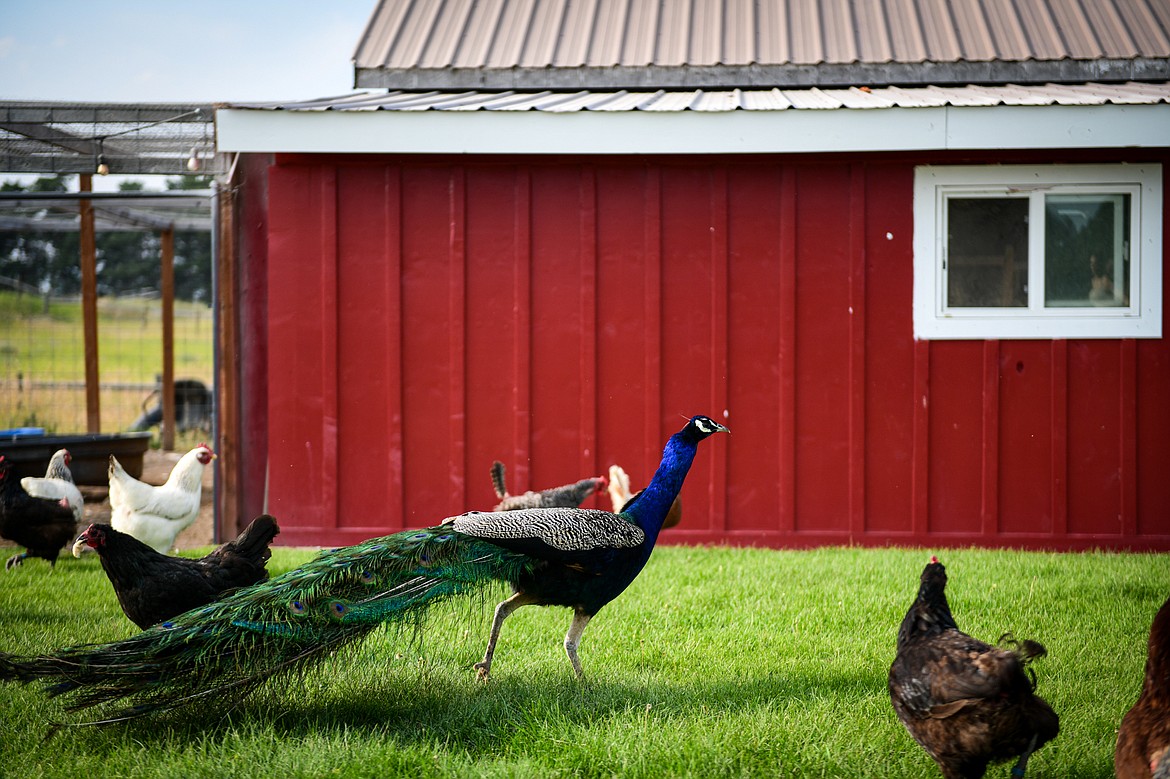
(367, 577)
(167, 625)
(296, 607)
(337, 609)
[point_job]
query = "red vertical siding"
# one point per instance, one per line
(757, 289)
(427, 317)
(822, 348)
(890, 395)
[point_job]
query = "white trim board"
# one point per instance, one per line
(1142, 318)
(692, 132)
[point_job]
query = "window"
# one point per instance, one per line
(1061, 251)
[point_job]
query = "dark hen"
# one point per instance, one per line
(566, 496)
(41, 525)
(153, 587)
(1143, 743)
(966, 702)
(577, 558)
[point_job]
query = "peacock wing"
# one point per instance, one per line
(553, 534)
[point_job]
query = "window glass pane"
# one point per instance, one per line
(987, 252)
(1086, 250)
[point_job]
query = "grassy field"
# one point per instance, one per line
(717, 662)
(42, 359)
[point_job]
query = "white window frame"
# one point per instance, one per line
(934, 184)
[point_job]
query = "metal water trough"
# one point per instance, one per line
(90, 454)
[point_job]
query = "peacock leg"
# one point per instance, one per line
(573, 638)
(15, 560)
(502, 611)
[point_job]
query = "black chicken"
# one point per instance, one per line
(1143, 743)
(41, 525)
(966, 702)
(567, 495)
(153, 587)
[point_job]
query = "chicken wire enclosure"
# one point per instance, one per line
(43, 355)
(42, 137)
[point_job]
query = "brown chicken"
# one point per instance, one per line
(966, 702)
(41, 525)
(1143, 743)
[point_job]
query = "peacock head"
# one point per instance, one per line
(700, 427)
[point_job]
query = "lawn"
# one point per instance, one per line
(716, 662)
(42, 358)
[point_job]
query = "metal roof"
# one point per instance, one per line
(47, 137)
(603, 44)
(622, 100)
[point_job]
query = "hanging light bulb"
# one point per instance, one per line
(102, 168)
(193, 160)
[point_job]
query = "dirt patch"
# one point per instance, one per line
(156, 467)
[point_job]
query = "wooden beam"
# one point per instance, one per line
(93, 417)
(167, 433)
(227, 380)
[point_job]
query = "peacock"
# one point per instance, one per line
(573, 557)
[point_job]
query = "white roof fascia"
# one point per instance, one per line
(693, 132)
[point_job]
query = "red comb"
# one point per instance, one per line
(933, 559)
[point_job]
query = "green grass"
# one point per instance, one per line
(39, 347)
(716, 662)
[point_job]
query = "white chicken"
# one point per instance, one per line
(57, 483)
(156, 515)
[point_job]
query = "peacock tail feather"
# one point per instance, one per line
(235, 644)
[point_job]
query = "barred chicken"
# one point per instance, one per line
(566, 496)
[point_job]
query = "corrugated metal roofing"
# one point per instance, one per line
(679, 43)
(737, 99)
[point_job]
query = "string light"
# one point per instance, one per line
(103, 169)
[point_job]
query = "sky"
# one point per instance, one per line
(145, 51)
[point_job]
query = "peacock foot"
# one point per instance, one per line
(482, 670)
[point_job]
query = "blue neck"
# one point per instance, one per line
(650, 509)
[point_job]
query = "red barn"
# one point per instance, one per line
(916, 267)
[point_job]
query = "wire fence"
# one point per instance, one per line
(42, 361)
